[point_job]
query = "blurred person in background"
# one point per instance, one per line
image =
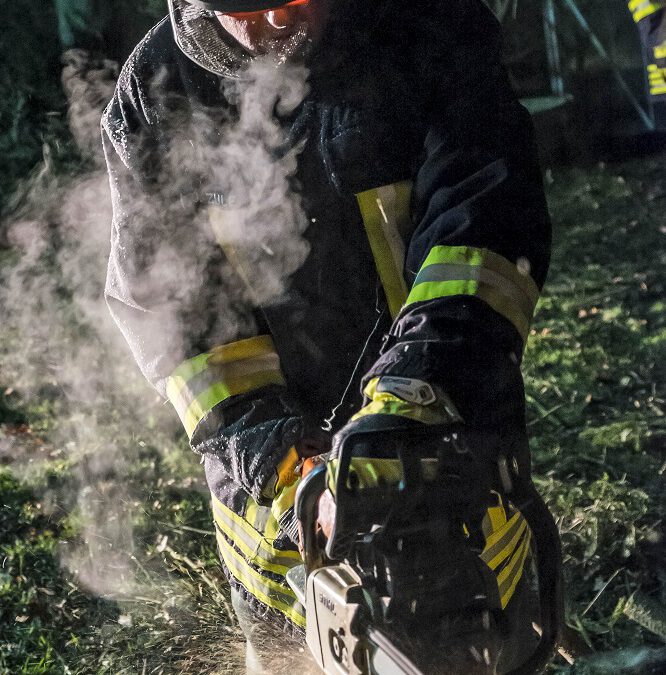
(650, 17)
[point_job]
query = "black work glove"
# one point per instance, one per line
(260, 441)
(416, 419)
(397, 408)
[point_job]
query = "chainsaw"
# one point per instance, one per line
(399, 588)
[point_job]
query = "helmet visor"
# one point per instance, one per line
(244, 6)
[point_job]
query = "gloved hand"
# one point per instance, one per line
(253, 442)
(300, 459)
(408, 414)
(398, 410)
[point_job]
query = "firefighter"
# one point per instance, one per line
(370, 243)
(650, 18)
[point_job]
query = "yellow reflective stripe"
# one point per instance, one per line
(259, 345)
(500, 303)
(250, 555)
(462, 270)
(270, 592)
(642, 8)
(496, 555)
(403, 409)
(484, 277)
(372, 472)
(259, 541)
(253, 551)
(483, 257)
(494, 519)
(262, 519)
(284, 500)
(199, 384)
(657, 79)
(187, 370)
(219, 392)
(385, 403)
(256, 515)
(182, 392)
(659, 51)
(508, 578)
(497, 536)
(386, 216)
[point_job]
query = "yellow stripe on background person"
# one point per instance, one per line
(495, 556)
(508, 578)
(657, 79)
(643, 8)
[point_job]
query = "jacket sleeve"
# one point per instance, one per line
(173, 296)
(479, 251)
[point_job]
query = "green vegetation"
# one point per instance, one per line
(169, 608)
(595, 368)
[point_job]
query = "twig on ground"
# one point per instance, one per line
(598, 595)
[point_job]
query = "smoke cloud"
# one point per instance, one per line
(60, 341)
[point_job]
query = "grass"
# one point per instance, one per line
(595, 375)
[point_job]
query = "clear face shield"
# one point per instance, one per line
(200, 36)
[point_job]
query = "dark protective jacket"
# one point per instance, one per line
(411, 170)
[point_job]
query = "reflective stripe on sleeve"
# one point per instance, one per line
(200, 383)
(386, 216)
(462, 270)
(642, 8)
(657, 79)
